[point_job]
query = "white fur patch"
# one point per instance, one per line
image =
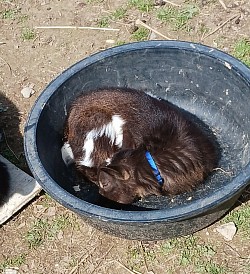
(108, 161)
(117, 123)
(112, 130)
(108, 131)
(88, 148)
(67, 154)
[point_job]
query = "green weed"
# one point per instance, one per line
(120, 43)
(169, 246)
(142, 5)
(9, 14)
(23, 18)
(73, 262)
(16, 261)
(211, 267)
(14, 14)
(240, 217)
(47, 201)
(36, 235)
(94, 1)
(119, 13)
(167, 14)
(140, 34)
(178, 18)
(103, 22)
(242, 51)
(136, 256)
(203, 29)
(190, 252)
(57, 225)
(28, 34)
(43, 230)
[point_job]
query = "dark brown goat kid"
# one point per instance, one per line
(133, 145)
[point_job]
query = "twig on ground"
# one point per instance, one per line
(144, 258)
(75, 27)
(223, 4)
(10, 69)
(222, 25)
(171, 3)
(103, 257)
(203, 35)
(2, 43)
(9, 2)
(83, 258)
(7, 144)
(236, 252)
(137, 272)
(139, 22)
(123, 266)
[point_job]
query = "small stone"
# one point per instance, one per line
(12, 270)
(152, 36)
(160, 3)
(39, 209)
(27, 92)
(227, 230)
(110, 41)
(60, 235)
(237, 21)
(21, 225)
(51, 211)
(132, 28)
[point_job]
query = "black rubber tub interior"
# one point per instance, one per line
(206, 82)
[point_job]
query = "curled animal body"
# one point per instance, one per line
(131, 144)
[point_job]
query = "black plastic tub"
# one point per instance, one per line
(204, 81)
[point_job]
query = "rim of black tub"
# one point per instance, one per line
(181, 212)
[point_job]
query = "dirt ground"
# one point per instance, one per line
(45, 237)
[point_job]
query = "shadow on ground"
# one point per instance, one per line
(11, 139)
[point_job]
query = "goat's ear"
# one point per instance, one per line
(121, 173)
(109, 175)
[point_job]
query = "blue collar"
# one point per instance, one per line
(154, 168)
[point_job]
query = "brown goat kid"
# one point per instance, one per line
(133, 145)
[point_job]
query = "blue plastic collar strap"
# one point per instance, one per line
(154, 168)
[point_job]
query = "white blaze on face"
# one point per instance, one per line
(67, 154)
(113, 130)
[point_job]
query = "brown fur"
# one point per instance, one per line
(183, 153)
